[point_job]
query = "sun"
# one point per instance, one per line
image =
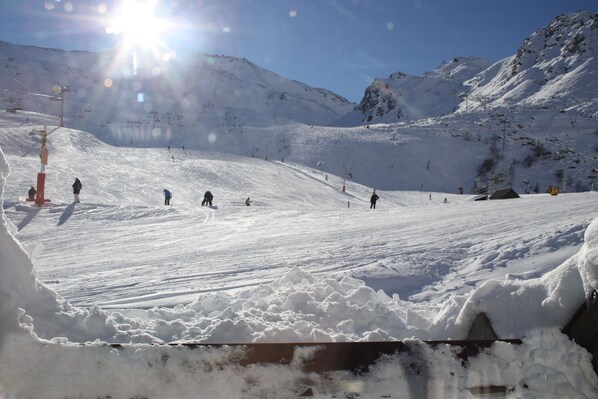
(137, 25)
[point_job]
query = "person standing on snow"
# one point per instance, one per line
(207, 199)
(32, 192)
(248, 201)
(77, 189)
(373, 200)
(167, 197)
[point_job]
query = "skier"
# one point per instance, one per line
(77, 188)
(248, 201)
(207, 199)
(31, 193)
(167, 197)
(373, 200)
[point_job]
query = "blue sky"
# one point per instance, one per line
(340, 45)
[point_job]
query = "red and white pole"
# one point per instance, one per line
(41, 176)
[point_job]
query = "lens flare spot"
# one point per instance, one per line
(108, 82)
(169, 55)
(212, 137)
(48, 5)
(156, 132)
(140, 97)
(293, 13)
(390, 25)
(68, 7)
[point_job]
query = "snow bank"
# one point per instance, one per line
(588, 259)
(17, 279)
(517, 307)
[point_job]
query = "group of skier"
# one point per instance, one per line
(208, 197)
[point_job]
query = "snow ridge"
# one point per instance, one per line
(554, 67)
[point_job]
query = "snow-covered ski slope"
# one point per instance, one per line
(122, 248)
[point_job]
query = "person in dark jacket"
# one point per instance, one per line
(167, 197)
(373, 200)
(77, 188)
(207, 199)
(32, 192)
(248, 201)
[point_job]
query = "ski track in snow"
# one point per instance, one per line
(141, 256)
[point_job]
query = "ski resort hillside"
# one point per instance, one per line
(305, 262)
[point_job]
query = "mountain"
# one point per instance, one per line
(554, 68)
(468, 125)
(137, 99)
(403, 97)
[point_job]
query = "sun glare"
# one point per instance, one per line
(136, 23)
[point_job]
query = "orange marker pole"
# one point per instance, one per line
(41, 182)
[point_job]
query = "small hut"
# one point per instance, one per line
(506, 193)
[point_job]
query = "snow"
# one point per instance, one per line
(304, 263)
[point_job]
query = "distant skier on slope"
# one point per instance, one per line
(207, 199)
(77, 186)
(248, 201)
(167, 197)
(373, 199)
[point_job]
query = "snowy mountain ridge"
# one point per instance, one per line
(553, 68)
(403, 97)
(157, 101)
